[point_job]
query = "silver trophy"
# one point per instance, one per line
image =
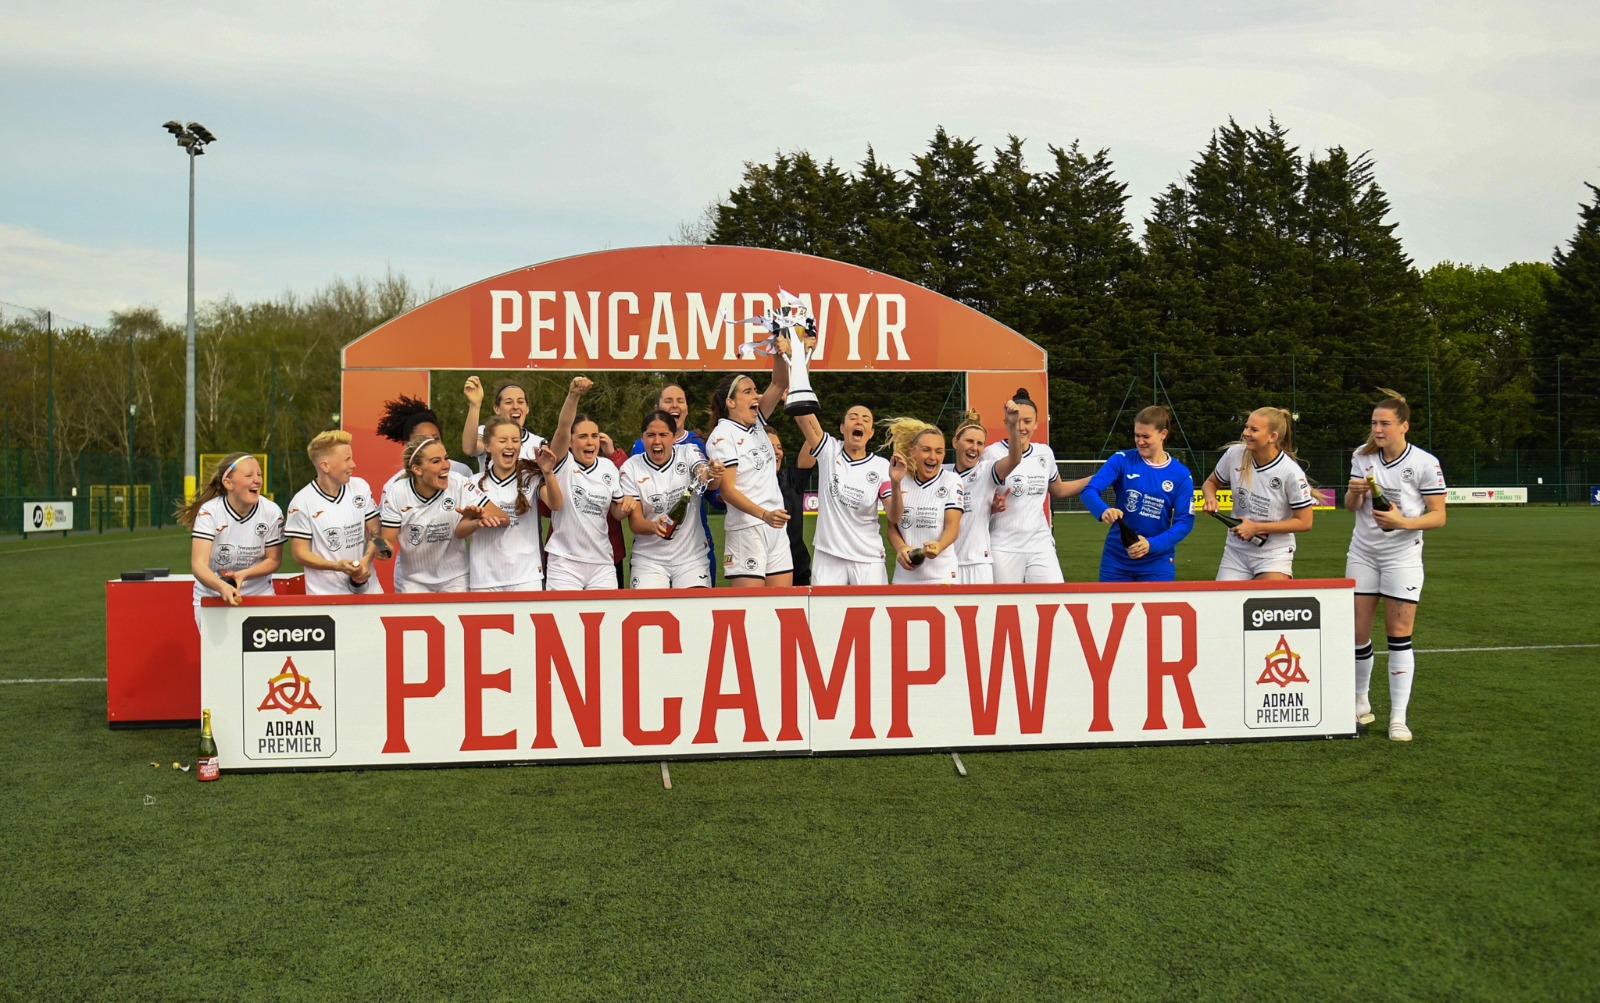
(792, 320)
(802, 399)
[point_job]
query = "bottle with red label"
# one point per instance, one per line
(206, 765)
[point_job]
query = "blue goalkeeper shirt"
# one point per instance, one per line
(1156, 503)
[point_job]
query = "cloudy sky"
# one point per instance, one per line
(451, 142)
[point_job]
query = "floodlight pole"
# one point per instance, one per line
(190, 460)
(193, 138)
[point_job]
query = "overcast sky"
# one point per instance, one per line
(451, 142)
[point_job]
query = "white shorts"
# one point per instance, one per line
(1237, 567)
(537, 585)
(829, 570)
(562, 574)
(458, 584)
(930, 573)
(1014, 568)
(975, 574)
(756, 552)
(1399, 580)
(649, 575)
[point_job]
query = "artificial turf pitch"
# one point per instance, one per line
(1465, 865)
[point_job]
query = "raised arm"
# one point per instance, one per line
(561, 440)
(1008, 462)
(779, 386)
(470, 443)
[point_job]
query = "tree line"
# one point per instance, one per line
(1267, 275)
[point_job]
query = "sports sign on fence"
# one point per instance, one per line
(1486, 496)
(46, 516)
(421, 680)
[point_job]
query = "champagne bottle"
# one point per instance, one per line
(206, 766)
(916, 557)
(1232, 521)
(1129, 536)
(676, 514)
(1379, 502)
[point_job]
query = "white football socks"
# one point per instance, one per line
(1402, 669)
(1364, 675)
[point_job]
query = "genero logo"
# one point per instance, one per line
(289, 683)
(1282, 663)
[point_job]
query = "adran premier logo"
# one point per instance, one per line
(289, 691)
(1283, 665)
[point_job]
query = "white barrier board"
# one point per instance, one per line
(46, 517)
(309, 682)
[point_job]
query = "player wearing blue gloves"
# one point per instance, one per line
(1154, 498)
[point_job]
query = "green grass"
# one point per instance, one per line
(1461, 866)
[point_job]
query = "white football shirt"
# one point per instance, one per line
(848, 493)
(238, 541)
(1024, 526)
(578, 529)
(1406, 481)
(1267, 494)
(978, 490)
(336, 529)
(747, 451)
(499, 556)
(922, 521)
(658, 489)
(429, 554)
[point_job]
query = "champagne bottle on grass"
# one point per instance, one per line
(206, 765)
(1232, 522)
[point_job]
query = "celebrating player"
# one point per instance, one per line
(924, 514)
(974, 563)
(406, 418)
(1396, 491)
(668, 551)
(1155, 496)
(579, 549)
(1270, 495)
(429, 510)
(757, 551)
(510, 401)
(1020, 532)
(237, 534)
(507, 558)
(332, 521)
(675, 402)
(850, 484)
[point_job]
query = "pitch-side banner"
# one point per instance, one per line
(297, 683)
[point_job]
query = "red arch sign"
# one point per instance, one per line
(672, 309)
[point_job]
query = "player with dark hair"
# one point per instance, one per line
(1396, 491)
(666, 553)
(757, 550)
(1020, 533)
(674, 401)
(1154, 500)
(1271, 495)
(579, 550)
(405, 418)
(851, 484)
